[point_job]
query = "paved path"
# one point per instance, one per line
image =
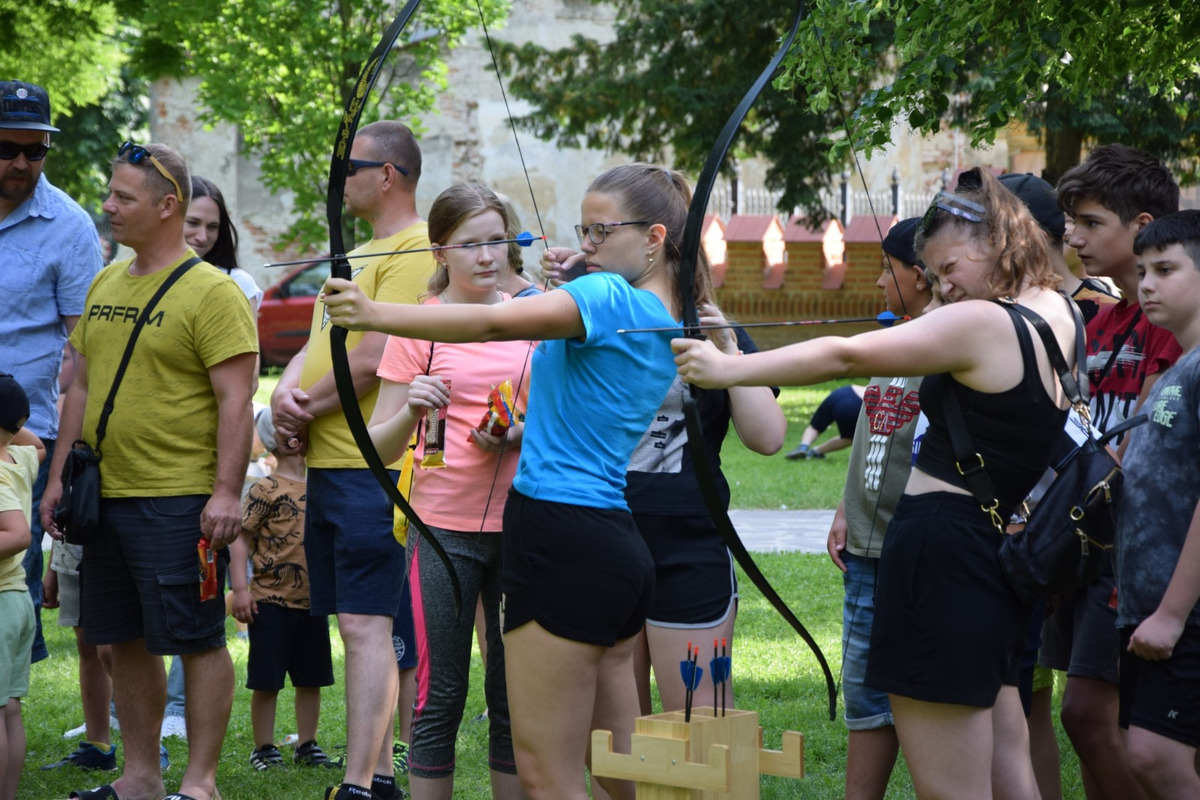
(773, 531)
(762, 531)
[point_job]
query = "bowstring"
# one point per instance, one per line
(885, 459)
(545, 287)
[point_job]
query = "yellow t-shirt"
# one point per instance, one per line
(16, 494)
(390, 279)
(162, 433)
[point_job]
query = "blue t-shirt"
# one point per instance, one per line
(51, 252)
(1162, 488)
(591, 400)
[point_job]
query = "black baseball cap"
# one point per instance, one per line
(1038, 196)
(14, 404)
(900, 241)
(24, 107)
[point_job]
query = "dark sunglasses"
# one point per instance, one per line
(353, 165)
(33, 152)
(960, 207)
(136, 154)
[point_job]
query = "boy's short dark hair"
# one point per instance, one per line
(1124, 180)
(14, 404)
(1181, 228)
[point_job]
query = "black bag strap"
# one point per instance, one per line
(143, 318)
(967, 459)
(1075, 384)
(1118, 343)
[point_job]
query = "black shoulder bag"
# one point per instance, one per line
(1067, 538)
(77, 513)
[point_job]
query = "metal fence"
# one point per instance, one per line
(842, 202)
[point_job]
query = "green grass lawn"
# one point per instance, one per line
(774, 673)
(773, 482)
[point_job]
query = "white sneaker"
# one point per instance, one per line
(113, 725)
(174, 726)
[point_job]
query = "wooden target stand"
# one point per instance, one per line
(708, 758)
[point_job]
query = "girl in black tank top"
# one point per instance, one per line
(948, 627)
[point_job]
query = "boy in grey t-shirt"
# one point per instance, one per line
(1158, 544)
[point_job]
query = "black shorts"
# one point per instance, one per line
(140, 577)
(948, 626)
(694, 580)
(1163, 697)
(581, 573)
(1081, 635)
(288, 641)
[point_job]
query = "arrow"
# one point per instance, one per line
(887, 319)
(523, 239)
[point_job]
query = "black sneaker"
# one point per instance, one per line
(88, 756)
(310, 754)
(344, 791)
(265, 757)
(801, 451)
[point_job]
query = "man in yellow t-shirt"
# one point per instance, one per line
(174, 456)
(355, 565)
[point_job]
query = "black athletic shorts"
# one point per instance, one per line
(581, 573)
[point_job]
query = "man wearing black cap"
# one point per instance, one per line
(51, 251)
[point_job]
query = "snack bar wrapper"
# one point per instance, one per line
(499, 417)
(434, 455)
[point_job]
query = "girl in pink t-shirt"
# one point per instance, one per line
(460, 491)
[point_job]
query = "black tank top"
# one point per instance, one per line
(1014, 430)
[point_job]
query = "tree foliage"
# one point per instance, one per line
(283, 71)
(279, 70)
(662, 89)
(68, 46)
(1124, 69)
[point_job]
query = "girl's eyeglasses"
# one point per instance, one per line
(598, 231)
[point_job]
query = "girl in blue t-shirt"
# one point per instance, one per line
(577, 578)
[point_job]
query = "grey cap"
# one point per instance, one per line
(24, 107)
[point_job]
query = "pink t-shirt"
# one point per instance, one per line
(454, 497)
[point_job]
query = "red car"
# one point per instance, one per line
(285, 314)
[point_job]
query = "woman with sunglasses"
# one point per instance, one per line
(577, 576)
(948, 628)
(458, 489)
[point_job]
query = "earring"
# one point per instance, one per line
(650, 259)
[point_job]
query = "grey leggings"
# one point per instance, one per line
(444, 651)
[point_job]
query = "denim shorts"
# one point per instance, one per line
(866, 708)
(355, 565)
(140, 577)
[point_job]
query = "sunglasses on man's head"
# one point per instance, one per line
(136, 154)
(353, 165)
(960, 207)
(33, 152)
